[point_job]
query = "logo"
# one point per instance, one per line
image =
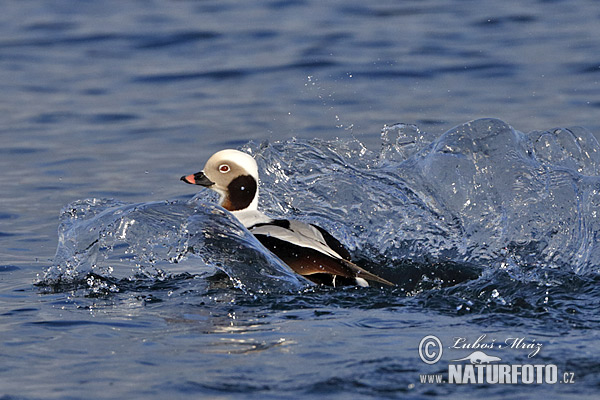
(430, 349)
(479, 357)
(481, 367)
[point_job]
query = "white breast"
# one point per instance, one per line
(251, 217)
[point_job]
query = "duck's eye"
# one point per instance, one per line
(224, 168)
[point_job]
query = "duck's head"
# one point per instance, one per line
(234, 175)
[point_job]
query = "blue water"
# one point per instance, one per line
(108, 264)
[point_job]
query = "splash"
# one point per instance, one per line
(104, 238)
(424, 212)
(482, 193)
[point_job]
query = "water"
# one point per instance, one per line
(487, 229)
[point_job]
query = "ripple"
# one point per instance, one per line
(174, 39)
(225, 74)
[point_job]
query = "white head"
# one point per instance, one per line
(234, 175)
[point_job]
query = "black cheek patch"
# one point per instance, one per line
(241, 192)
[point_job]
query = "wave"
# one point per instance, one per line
(425, 212)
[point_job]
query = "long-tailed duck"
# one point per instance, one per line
(308, 249)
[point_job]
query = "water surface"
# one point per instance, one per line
(496, 234)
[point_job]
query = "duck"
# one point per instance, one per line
(306, 248)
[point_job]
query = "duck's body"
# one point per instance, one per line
(308, 249)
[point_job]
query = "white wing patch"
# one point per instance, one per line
(299, 234)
